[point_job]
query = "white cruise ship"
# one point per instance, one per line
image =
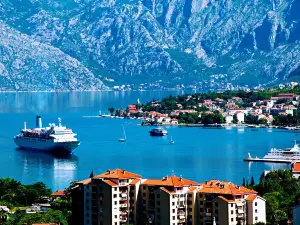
(288, 154)
(52, 139)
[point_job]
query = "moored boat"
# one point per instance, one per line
(53, 139)
(281, 154)
(158, 132)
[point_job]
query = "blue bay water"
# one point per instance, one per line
(198, 153)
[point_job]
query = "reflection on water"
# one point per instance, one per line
(46, 167)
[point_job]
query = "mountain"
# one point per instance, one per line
(84, 42)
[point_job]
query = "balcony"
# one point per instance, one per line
(123, 219)
(181, 213)
(124, 212)
(208, 214)
(123, 192)
(122, 184)
(181, 206)
(124, 205)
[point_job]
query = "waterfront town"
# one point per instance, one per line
(254, 109)
(121, 197)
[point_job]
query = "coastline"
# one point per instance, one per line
(197, 125)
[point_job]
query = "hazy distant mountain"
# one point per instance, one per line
(82, 41)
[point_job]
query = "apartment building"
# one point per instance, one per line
(118, 197)
(107, 199)
(296, 215)
(166, 201)
(224, 203)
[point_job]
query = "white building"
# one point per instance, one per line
(256, 209)
(240, 116)
(229, 119)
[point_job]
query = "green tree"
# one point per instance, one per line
(252, 183)
(111, 110)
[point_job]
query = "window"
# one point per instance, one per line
(181, 202)
(158, 203)
(87, 222)
(256, 218)
(173, 196)
(115, 188)
(231, 205)
(231, 212)
(116, 223)
(216, 211)
(144, 201)
(115, 195)
(158, 209)
(181, 195)
(255, 210)
(87, 215)
(216, 204)
(116, 216)
(231, 219)
(173, 217)
(158, 195)
(255, 203)
(144, 187)
(190, 195)
(115, 202)
(158, 217)
(144, 194)
(173, 210)
(173, 203)
(201, 196)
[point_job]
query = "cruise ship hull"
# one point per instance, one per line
(47, 145)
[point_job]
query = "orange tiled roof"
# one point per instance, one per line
(86, 181)
(166, 190)
(117, 174)
(296, 167)
(217, 187)
(58, 193)
(251, 198)
(134, 182)
(110, 183)
(225, 199)
(172, 181)
(192, 189)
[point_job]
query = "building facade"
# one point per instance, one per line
(296, 215)
(117, 197)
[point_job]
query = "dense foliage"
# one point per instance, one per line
(281, 191)
(14, 193)
(51, 216)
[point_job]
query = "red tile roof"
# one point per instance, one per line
(86, 181)
(251, 198)
(296, 167)
(172, 181)
(228, 188)
(58, 193)
(117, 174)
(134, 182)
(225, 199)
(110, 183)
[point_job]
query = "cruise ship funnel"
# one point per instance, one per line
(39, 122)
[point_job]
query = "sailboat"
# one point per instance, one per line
(172, 141)
(124, 136)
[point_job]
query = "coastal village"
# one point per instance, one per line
(234, 111)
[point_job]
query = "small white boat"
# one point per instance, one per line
(172, 141)
(124, 136)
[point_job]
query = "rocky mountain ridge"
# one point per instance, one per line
(220, 42)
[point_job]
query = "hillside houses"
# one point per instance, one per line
(175, 110)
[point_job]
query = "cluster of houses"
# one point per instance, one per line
(283, 104)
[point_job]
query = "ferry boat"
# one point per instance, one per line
(52, 139)
(158, 132)
(288, 154)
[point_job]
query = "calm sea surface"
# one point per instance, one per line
(198, 153)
